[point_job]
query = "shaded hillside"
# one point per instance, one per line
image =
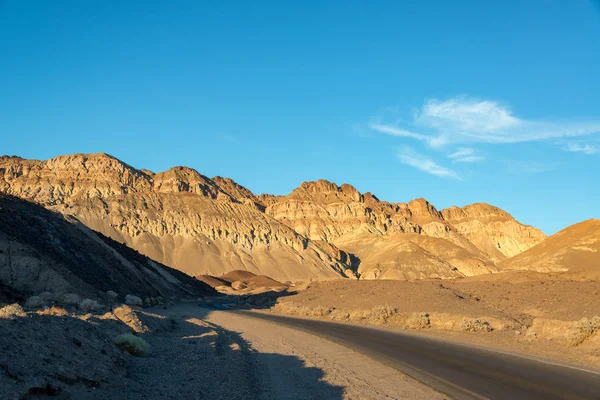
(42, 251)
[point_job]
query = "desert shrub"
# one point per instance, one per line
(71, 299)
(132, 300)
(89, 305)
(112, 295)
(134, 345)
(47, 297)
(339, 315)
(12, 310)
(34, 302)
(319, 311)
(582, 330)
(475, 325)
(381, 314)
(418, 321)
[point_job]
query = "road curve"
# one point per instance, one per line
(458, 370)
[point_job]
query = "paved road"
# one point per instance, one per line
(460, 371)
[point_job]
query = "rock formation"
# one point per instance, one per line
(493, 230)
(200, 225)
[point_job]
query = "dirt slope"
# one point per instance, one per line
(409, 256)
(575, 249)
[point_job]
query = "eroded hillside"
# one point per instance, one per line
(210, 226)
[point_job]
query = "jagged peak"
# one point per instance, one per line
(325, 191)
(476, 210)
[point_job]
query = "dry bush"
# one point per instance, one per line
(34, 302)
(318, 311)
(134, 345)
(418, 321)
(381, 314)
(71, 299)
(582, 330)
(12, 310)
(475, 325)
(132, 300)
(89, 305)
(339, 315)
(47, 297)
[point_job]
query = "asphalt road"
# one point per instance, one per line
(458, 370)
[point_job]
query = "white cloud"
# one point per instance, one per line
(398, 132)
(467, 120)
(465, 155)
(582, 148)
(423, 163)
(526, 167)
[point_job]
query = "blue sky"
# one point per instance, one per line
(458, 102)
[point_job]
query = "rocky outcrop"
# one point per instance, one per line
(324, 211)
(493, 230)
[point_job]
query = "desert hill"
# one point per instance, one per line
(493, 230)
(575, 249)
(409, 256)
(200, 225)
(42, 251)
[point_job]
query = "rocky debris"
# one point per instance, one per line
(58, 356)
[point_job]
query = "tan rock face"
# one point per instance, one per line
(178, 217)
(211, 226)
(340, 211)
(493, 230)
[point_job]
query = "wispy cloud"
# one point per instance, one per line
(423, 163)
(468, 120)
(581, 148)
(526, 167)
(465, 155)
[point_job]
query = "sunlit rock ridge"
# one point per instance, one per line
(203, 225)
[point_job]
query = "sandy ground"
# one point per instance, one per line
(197, 353)
(521, 313)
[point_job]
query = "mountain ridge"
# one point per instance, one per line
(204, 225)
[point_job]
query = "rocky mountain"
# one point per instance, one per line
(493, 230)
(575, 249)
(44, 251)
(200, 225)
(178, 217)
